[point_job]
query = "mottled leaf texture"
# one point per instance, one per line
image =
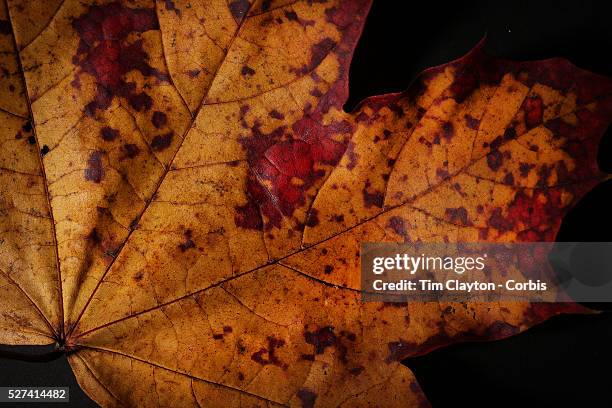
(183, 197)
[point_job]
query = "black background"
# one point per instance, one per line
(563, 362)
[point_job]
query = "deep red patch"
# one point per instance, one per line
(105, 53)
(283, 167)
(534, 111)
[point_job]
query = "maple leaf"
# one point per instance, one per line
(183, 196)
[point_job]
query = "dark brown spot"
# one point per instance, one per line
(291, 15)
(307, 397)
(313, 218)
(159, 119)
(5, 27)
(499, 222)
(131, 150)
(472, 122)
(94, 237)
(170, 6)
(94, 171)
(276, 114)
(456, 215)
(424, 141)
(348, 335)
(272, 358)
(193, 73)
(248, 216)
(162, 142)
(307, 357)
(239, 8)
(448, 131)
(510, 133)
(247, 71)
(496, 143)
(317, 53)
(140, 101)
(372, 199)
(398, 226)
(109, 134)
(495, 160)
(188, 243)
(442, 173)
(524, 169)
(316, 93)
(356, 370)
(352, 156)
(321, 339)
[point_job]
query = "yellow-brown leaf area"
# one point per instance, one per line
(208, 196)
(29, 288)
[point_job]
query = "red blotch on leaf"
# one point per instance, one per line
(106, 53)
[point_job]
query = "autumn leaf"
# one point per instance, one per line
(183, 197)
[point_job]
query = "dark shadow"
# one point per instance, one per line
(45, 367)
(564, 362)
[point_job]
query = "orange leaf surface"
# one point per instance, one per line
(183, 197)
